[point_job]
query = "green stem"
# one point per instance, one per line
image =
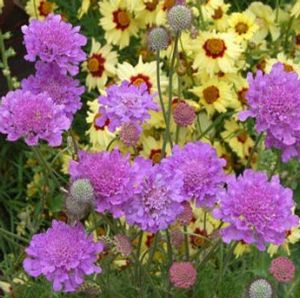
(169, 247)
(275, 166)
(186, 243)
(177, 134)
(153, 249)
(110, 143)
(159, 87)
(254, 149)
(4, 58)
(10, 234)
(168, 118)
(137, 259)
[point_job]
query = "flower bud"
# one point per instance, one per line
(260, 288)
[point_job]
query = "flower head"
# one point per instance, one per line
(274, 101)
(260, 288)
(61, 88)
(202, 172)
(130, 134)
(110, 175)
(183, 275)
(184, 114)
(125, 103)
(64, 255)
(282, 269)
(157, 197)
(180, 17)
(258, 211)
(33, 117)
(158, 39)
(53, 40)
(123, 244)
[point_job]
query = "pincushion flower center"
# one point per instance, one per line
(211, 94)
(151, 5)
(45, 8)
(95, 65)
(121, 18)
(241, 28)
(215, 47)
(218, 14)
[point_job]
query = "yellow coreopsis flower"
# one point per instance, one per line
(214, 95)
(210, 6)
(85, 5)
(216, 52)
(241, 249)
(296, 9)
(142, 73)
(289, 64)
(148, 14)
(100, 65)
(100, 137)
(292, 237)
(1, 5)
(39, 9)
(118, 22)
(265, 18)
(220, 17)
(237, 138)
(163, 7)
(243, 25)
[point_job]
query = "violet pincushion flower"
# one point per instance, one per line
(202, 171)
(54, 40)
(126, 103)
(256, 210)
(61, 88)
(274, 101)
(110, 175)
(64, 254)
(157, 198)
(32, 117)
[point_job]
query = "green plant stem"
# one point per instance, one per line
(110, 143)
(4, 59)
(159, 86)
(137, 259)
(217, 121)
(177, 134)
(186, 243)
(254, 149)
(10, 234)
(275, 166)
(210, 253)
(153, 249)
(168, 116)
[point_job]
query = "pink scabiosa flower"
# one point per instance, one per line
(282, 269)
(61, 88)
(183, 275)
(32, 117)
(187, 214)
(110, 175)
(202, 170)
(274, 101)
(130, 134)
(157, 198)
(126, 103)
(123, 244)
(53, 40)
(183, 114)
(64, 255)
(256, 210)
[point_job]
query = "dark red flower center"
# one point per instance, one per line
(242, 96)
(100, 127)
(215, 48)
(140, 79)
(211, 94)
(155, 155)
(121, 18)
(45, 8)
(151, 5)
(95, 65)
